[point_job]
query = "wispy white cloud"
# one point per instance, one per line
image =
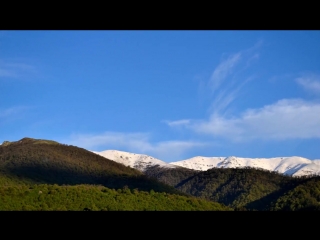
(8, 112)
(226, 82)
(222, 71)
(310, 83)
(228, 78)
(110, 140)
(225, 96)
(15, 69)
(178, 122)
(6, 73)
(285, 119)
(133, 142)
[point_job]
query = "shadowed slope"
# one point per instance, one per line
(43, 161)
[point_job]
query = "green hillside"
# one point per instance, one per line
(44, 197)
(304, 197)
(245, 188)
(35, 161)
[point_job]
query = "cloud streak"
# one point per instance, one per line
(310, 83)
(5, 113)
(178, 122)
(15, 70)
(133, 142)
(227, 79)
(222, 71)
(286, 119)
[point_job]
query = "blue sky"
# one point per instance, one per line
(169, 94)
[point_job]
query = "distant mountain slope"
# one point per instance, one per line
(304, 197)
(292, 166)
(254, 189)
(172, 176)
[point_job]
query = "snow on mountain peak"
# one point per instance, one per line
(296, 166)
(134, 160)
(293, 166)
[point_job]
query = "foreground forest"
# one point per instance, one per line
(45, 175)
(45, 197)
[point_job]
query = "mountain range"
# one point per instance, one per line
(292, 166)
(39, 174)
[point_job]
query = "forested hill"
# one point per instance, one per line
(44, 161)
(245, 188)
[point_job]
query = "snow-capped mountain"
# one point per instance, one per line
(137, 161)
(293, 166)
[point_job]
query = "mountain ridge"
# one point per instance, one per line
(134, 160)
(293, 166)
(47, 167)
